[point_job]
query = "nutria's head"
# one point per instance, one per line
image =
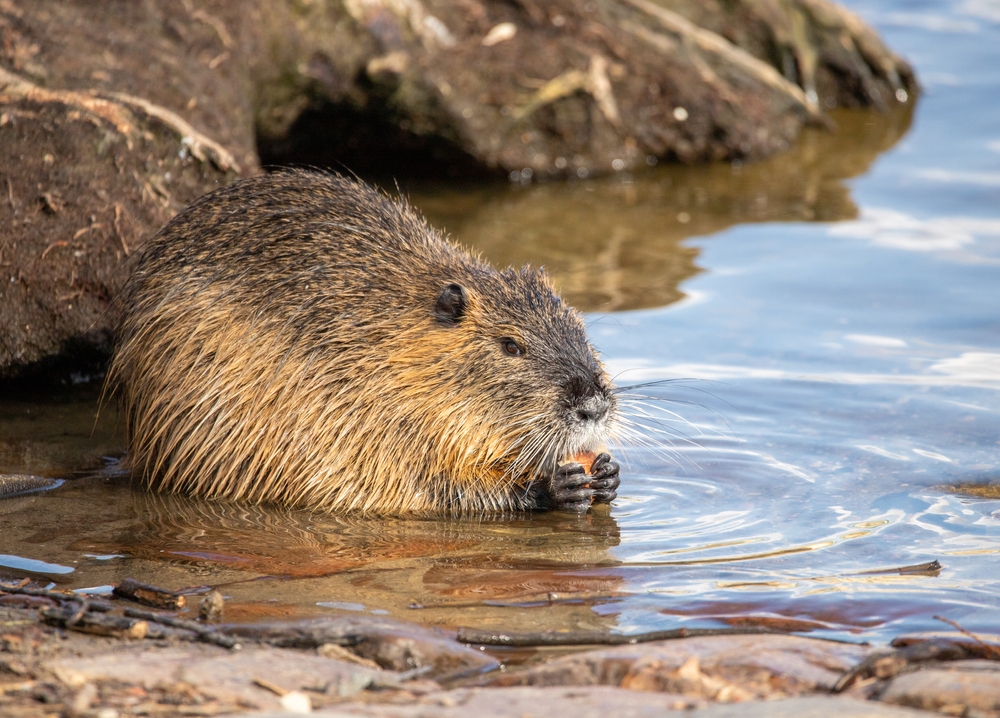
(527, 373)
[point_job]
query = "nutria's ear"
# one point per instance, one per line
(451, 304)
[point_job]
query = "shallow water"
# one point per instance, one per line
(829, 323)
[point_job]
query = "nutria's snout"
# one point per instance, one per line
(589, 408)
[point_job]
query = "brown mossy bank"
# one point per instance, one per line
(114, 117)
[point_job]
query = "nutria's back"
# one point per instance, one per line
(300, 337)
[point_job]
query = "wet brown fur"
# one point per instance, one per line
(278, 342)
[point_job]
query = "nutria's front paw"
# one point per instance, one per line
(605, 479)
(569, 489)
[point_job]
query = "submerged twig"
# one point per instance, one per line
(931, 568)
(548, 599)
(89, 605)
(149, 595)
(601, 638)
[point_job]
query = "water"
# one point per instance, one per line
(829, 323)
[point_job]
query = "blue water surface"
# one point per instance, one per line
(839, 377)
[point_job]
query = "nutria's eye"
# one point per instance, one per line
(511, 347)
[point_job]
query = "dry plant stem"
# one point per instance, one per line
(714, 44)
(201, 147)
(20, 686)
(14, 88)
(594, 81)
(273, 687)
(992, 650)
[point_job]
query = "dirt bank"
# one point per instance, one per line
(113, 117)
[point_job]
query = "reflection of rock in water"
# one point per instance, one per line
(983, 490)
(278, 541)
(614, 245)
(51, 430)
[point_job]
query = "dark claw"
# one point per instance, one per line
(569, 490)
(605, 479)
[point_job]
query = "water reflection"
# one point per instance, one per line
(289, 543)
(955, 237)
(615, 244)
(54, 436)
(969, 369)
(274, 562)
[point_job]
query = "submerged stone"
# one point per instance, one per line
(955, 688)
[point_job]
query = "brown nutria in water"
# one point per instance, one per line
(300, 337)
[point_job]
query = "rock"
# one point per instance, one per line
(154, 678)
(95, 155)
(573, 89)
(811, 707)
(589, 702)
(598, 702)
(218, 674)
(955, 688)
(715, 667)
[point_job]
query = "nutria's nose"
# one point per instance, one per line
(587, 398)
(593, 409)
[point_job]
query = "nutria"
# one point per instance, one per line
(300, 337)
